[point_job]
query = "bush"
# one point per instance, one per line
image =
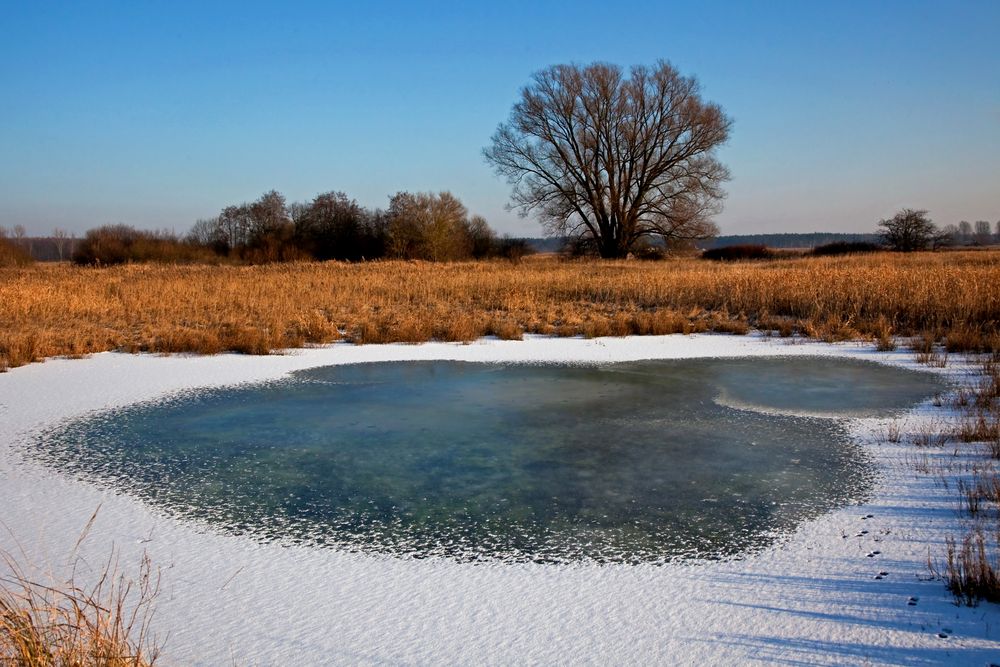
(11, 255)
(649, 251)
(512, 249)
(575, 247)
(845, 248)
(118, 244)
(732, 253)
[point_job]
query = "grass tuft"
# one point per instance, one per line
(972, 573)
(66, 623)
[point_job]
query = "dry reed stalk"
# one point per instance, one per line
(972, 567)
(972, 572)
(65, 623)
(48, 310)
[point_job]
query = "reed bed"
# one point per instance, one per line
(53, 310)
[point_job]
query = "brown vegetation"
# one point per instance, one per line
(973, 573)
(733, 253)
(51, 622)
(12, 255)
(48, 310)
(119, 244)
(972, 563)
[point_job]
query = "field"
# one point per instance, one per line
(54, 310)
(948, 298)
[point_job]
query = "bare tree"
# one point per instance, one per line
(446, 233)
(59, 238)
(297, 210)
(210, 233)
(613, 159)
(234, 225)
(332, 227)
(951, 232)
(428, 226)
(909, 230)
(982, 234)
(482, 239)
(268, 215)
(23, 242)
(964, 232)
(404, 227)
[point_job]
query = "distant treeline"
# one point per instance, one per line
(47, 248)
(423, 225)
(427, 226)
(809, 240)
(778, 241)
(758, 246)
(980, 233)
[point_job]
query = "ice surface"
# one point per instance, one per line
(812, 598)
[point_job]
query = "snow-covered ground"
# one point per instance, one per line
(811, 599)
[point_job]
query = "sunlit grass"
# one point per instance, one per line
(100, 620)
(49, 310)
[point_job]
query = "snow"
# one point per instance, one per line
(810, 599)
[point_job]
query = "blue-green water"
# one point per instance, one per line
(631, 462)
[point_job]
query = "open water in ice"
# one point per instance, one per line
(647, 461)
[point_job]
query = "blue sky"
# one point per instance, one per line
(156, 114)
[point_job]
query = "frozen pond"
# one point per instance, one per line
(628, 462)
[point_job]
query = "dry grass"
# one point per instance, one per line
(973, 572)
(51, 310)
(47, 622)
(972, 567)
(11, 254)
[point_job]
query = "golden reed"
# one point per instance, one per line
(52, 310)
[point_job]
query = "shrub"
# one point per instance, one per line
(649, 251)
(845, 248)
(11, 255)
(118, 244)
(512, 249)
(733, 253)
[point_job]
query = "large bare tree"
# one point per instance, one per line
(612, 158)
(909, 230)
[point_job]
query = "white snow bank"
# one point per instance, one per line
(811, 599)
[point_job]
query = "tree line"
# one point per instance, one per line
(618, 162)
(906, 231)
(963, 234)
(419, 226)
(789, 239)
(913, 229)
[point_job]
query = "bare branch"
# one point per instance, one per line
(594, 153)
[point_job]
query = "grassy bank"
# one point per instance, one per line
(49, 310)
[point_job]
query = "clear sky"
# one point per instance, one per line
(156, 114)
